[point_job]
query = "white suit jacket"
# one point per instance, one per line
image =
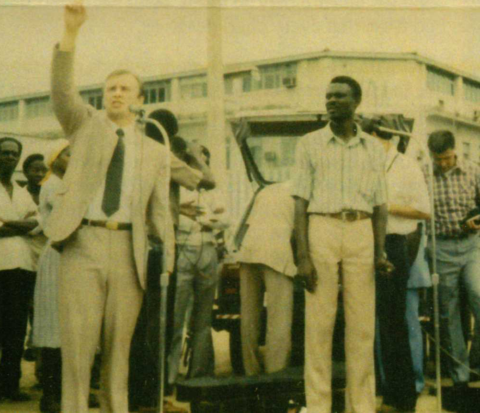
(92, 144)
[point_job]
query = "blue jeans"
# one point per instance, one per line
(415, 337)
(458, 259)
(197, 279)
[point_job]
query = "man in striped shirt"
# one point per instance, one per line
(340, 222)
(456, 189)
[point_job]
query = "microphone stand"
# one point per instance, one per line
(164, 276)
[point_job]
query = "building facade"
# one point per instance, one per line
(432, 94)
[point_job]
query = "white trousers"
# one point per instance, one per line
(254, 279)
(100, 298)
(332, 242)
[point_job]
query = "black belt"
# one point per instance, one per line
(396, 236)
(463, 235)
(112, 225)
(347, 215)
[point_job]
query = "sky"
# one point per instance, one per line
(165, 36)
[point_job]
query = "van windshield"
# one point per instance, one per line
(274, 156)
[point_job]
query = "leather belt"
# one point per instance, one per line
(453, 236)
(112, 225)
(348, 215)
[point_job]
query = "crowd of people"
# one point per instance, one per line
(109, 209)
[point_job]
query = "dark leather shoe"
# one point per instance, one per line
(17, 396)
(93, 402)
(455, 397)
(50, 405)
(30, 354)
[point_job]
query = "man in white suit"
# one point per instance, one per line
(114, 189)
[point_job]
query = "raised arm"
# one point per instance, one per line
(67, 104)
(196, 161)
(75, 15)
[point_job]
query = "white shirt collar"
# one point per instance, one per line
(129, 129)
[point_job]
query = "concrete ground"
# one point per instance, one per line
(426, 402)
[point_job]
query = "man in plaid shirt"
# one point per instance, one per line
(456, 188)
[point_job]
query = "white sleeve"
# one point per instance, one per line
(421, 200)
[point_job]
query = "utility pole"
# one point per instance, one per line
(216, 136)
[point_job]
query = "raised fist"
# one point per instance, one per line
(75, 16)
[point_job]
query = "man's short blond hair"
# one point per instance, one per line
(120, 72)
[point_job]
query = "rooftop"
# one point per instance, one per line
(248, 66)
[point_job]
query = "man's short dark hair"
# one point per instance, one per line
(9, 139)
(441, 141)
(167, 119)
(31, 159)
(179, 146)
(354, 86)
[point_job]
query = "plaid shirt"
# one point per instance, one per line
(455, 194)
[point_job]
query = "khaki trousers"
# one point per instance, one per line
(100, 298)
(254, 279)
(332, 242)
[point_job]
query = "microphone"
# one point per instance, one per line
(137, 111)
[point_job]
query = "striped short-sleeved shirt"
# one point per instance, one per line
(334, 176)
(455, 194)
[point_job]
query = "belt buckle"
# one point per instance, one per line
(112, 225)
(349, 216)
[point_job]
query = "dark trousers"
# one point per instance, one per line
(16, 291)
(143, 381)
(391, 292)
(52, 374)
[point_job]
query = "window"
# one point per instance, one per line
(466, 150)
(8, 111)
(93, 98)
(193, 87)
(156, 92)
(228, 84)
(228, 148)
(471, 90)
(38, 107)
(440, 81)
(247, 83)
(271, 77)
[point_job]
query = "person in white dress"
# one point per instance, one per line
(46, 326)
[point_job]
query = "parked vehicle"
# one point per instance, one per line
(267, 145)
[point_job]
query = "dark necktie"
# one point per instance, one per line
(113, 182)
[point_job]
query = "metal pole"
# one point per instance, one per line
(435, 282)
(435, 279)
(216, 104)
(164, 276)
